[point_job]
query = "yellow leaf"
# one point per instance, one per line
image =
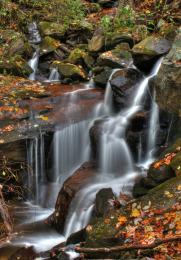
(179, 187)
(168, 194)
(44, 118)
(135, 213)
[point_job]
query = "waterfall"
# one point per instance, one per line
(116, 163)
(71, 149)
(33, 63)
(152, 133)
(34, 39)
(36, 163)
(54, 75)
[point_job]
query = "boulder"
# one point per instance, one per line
(163, 173)
(123, 84)
(48, 45)
(102, 75)
(70, 187)
(14, 51)
(116, 58)
(146, 51)
(70, 71)
(52, 29)
(97, 41)
(168, 80)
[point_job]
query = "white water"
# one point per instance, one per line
(116, 161)
(71, 149)
(108, 95)
(35, 37)
(33, 63)
(54, 75)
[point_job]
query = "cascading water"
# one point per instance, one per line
(116, 161)
(33, 63)
(34, 39)
(34, 35)
(71, 149)
(54, 75)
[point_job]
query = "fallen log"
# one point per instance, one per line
(126, 247)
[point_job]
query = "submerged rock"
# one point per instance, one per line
(70, 187)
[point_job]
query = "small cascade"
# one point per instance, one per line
(71, 149)
(33, 63)
(35, 40)
(34, 35)
(91, 83)
(54, 75)
(116, 163)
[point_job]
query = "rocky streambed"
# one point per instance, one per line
(95, 134)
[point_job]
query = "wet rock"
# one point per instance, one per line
(102, 204)
(48, 45)
(70, 187)
(101, 75)
(139, 190)
(24, 253)
(52, 29)
(95, 133)
(70, 71)
(139, 121)
(116, 58)
(123, 84)
(97, 42)
(77, 237)
(168, 80)
(145, 52)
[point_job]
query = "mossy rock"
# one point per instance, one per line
(97, 42)
(152, 46)
(48, 45)
(76, 56)
(52, 29)
(71, 71)
(116, 58)
(16, 66)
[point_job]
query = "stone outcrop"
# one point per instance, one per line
(168, 80)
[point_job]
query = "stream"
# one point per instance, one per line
(71, 148)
